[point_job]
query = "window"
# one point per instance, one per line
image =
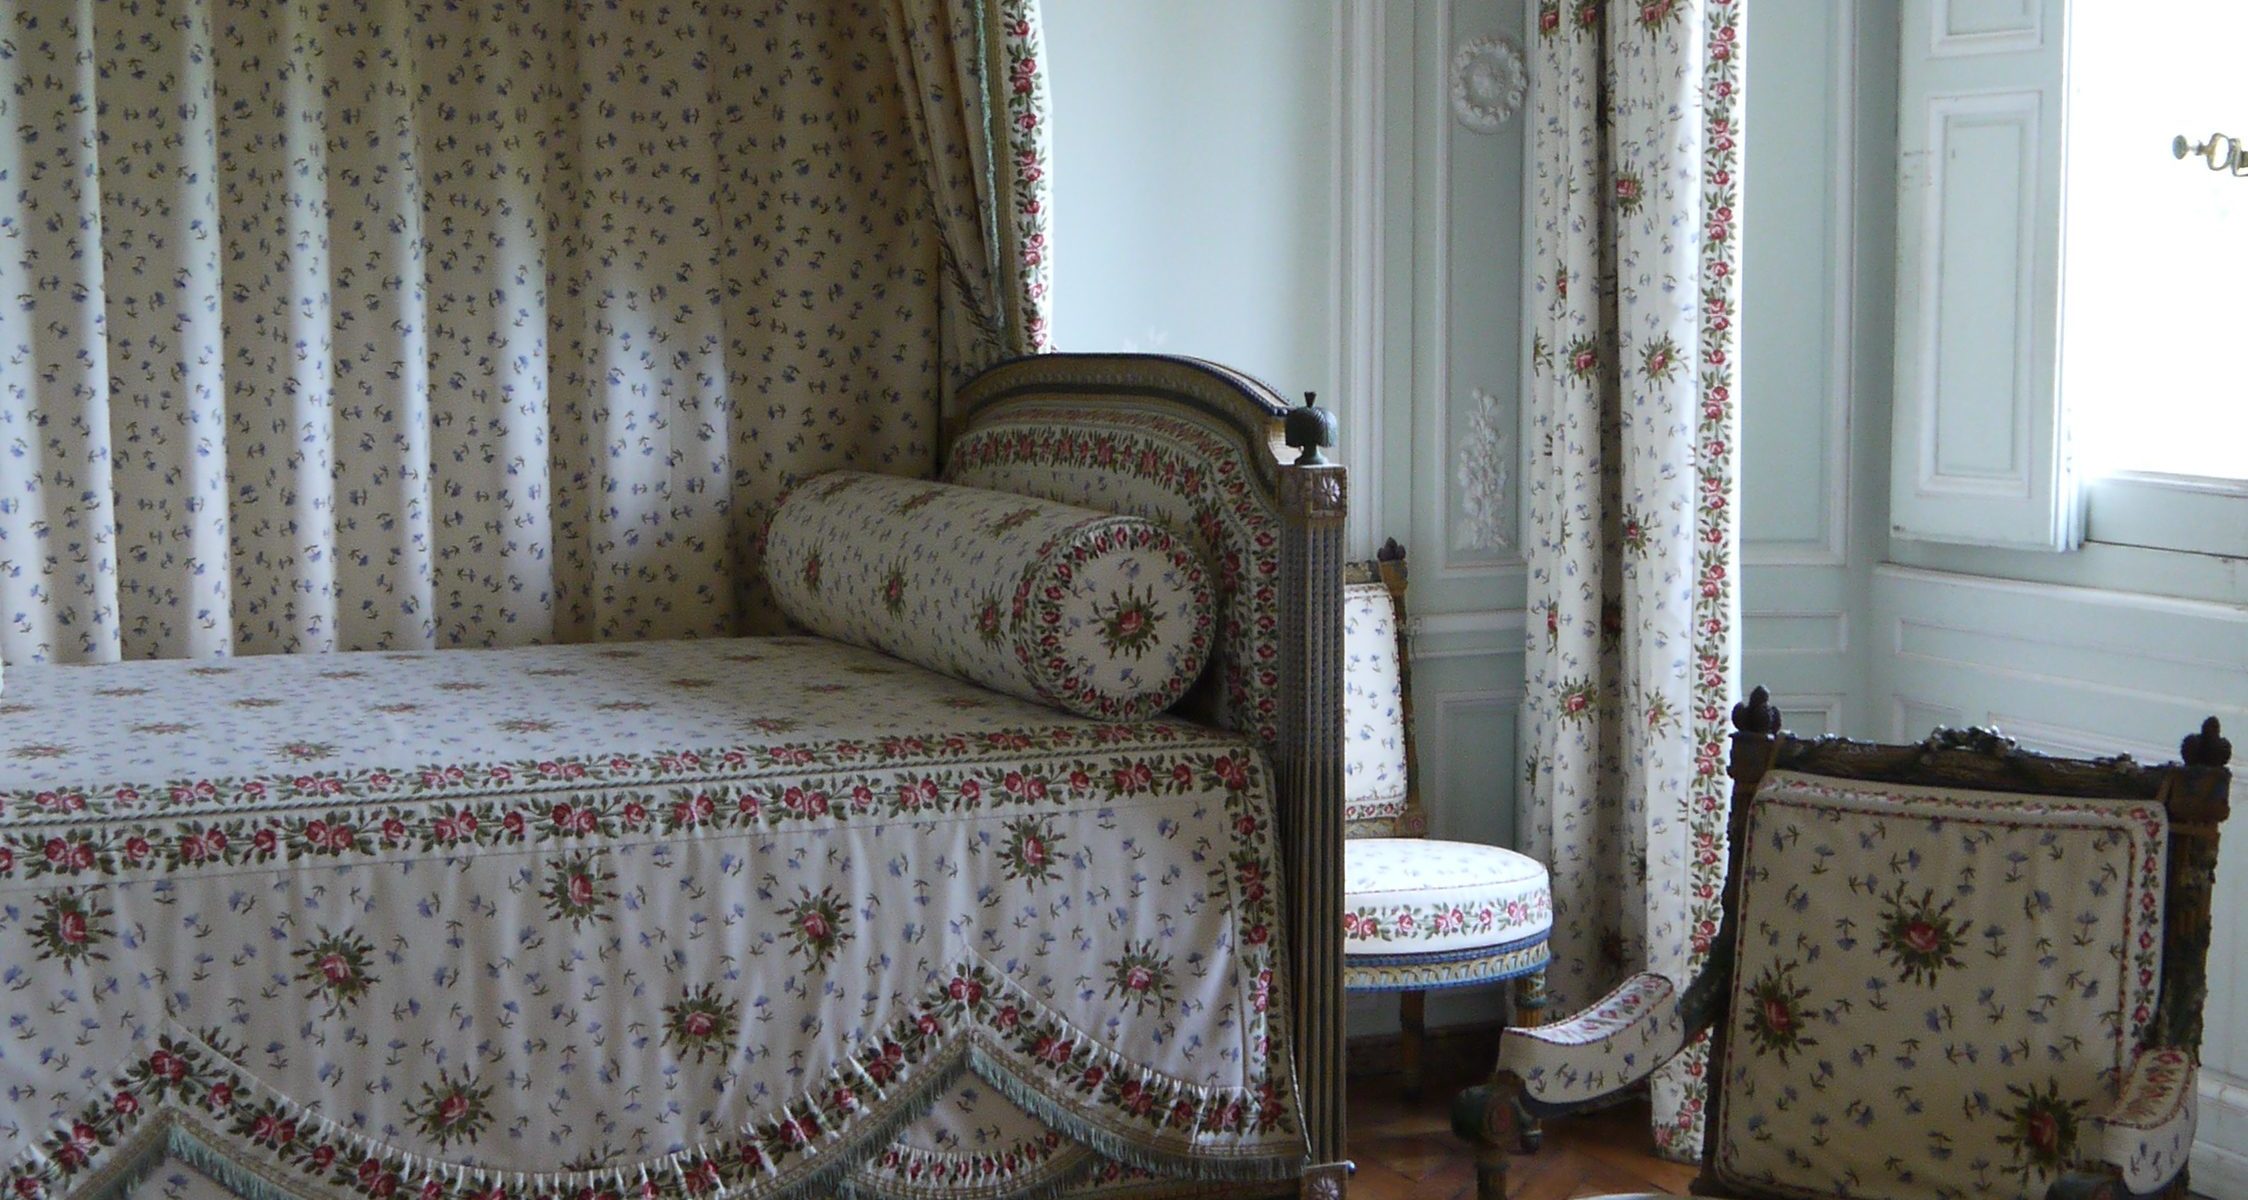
(2072, 298)
(2154, 362)
(2155, 252)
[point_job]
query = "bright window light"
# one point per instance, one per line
(2154, 349)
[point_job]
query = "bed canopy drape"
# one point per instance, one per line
(390, 323)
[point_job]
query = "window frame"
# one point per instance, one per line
(2185, 514)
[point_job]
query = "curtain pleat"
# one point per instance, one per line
(395, 323)
(1633, 645)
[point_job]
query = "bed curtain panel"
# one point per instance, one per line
(1633, 644)
(388, 324)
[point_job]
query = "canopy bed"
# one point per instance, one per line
(757, 917)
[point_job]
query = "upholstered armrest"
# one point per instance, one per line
(1613, 1044)
(2142, 1141)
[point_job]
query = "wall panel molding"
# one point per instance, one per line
(1491, 633)
(1839, 378)
(1965, 28)
(1358, 273)
(1998, 131)
(1792, 631)
(2001, 655)
(1826, 706)
(2145, 603)
(2220, 1170)
(1439, 715)
(1910, 719)
(1441, 390)
(2049, 738)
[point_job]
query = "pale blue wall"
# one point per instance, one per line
(1193, 181)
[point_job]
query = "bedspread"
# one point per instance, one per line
(644, 921)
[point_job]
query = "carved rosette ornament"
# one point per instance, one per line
(1324, 1182)
(1488, 82)
(1313, 493)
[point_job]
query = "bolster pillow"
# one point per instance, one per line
(1103, 615)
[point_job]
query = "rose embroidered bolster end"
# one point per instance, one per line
(1106, 616)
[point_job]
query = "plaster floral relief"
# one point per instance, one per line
(1488, 82)
(1484, 517)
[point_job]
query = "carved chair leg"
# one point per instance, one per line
(1530, 1000)
(1489, 1118)
(1412, 1021)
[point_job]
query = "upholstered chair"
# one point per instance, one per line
(1949, 969)
(1419, 915)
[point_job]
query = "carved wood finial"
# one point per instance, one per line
(2207, 748)
(1392, 551)
(1756, 714)
(1309, 429)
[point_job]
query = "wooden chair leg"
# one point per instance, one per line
(1530, 1000)
(1489, 1118)
(1412, 1021)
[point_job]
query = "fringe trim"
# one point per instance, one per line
(1261, 1169)
(835, 1171)
(1051, 1186)
(242, 1179)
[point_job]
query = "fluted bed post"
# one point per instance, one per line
(1312, 501)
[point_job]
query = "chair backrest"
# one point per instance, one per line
(1939, 960)
(1379, 796)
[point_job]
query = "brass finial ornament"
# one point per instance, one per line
(1309, 429)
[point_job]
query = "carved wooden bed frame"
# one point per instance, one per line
(1299, 718)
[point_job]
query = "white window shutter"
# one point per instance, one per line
(1980, 451)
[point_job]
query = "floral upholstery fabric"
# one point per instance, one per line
(1614, 1043)
(655, 920)
(1103, 615)
(1959, 979)
(1188, 473)
(1374, 791)
(1423, 896)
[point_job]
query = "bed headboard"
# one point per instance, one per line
(1185, 443)
(1194, 445)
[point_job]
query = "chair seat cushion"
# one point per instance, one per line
(1420, 896)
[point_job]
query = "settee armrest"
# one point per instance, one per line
(1578, 1062)
(2140, 1144)
(1613, 1044)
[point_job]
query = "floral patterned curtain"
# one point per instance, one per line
(386, 323)
(994, 294)
(1633, 649)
